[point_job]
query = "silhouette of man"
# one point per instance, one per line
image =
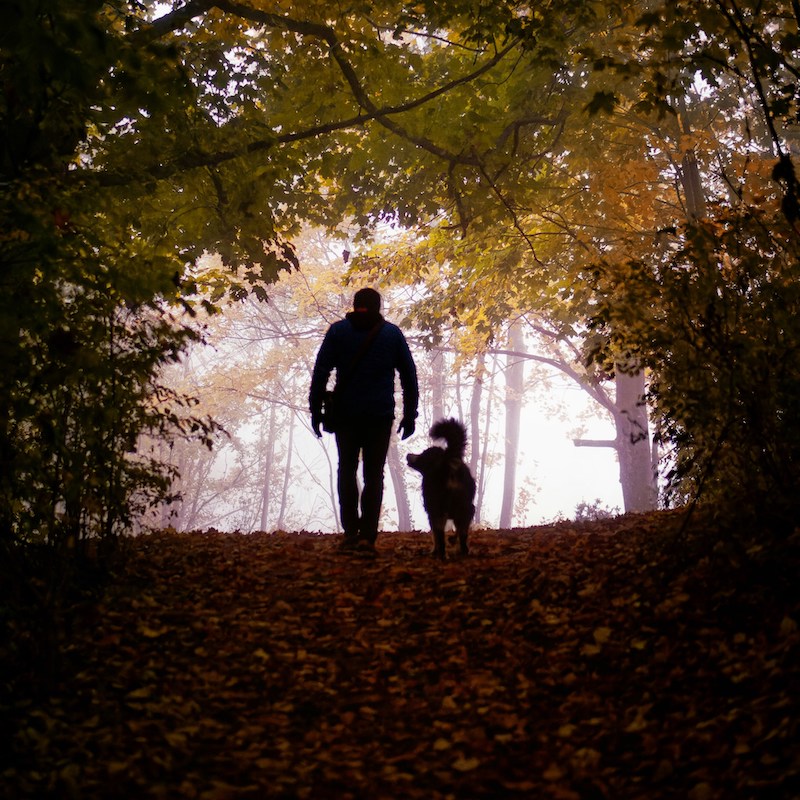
(366, 407)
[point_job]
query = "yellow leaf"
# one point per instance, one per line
(586, 759)
(441, 744)
(553, 773)
(466, 764)
(175, 738)
(566, 730)
(152, 633)
(602, 635)
(448, 704)
(639, 723)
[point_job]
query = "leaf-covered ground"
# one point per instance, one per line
(594, 661)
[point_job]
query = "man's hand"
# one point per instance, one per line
(407, 427)
(316, 424)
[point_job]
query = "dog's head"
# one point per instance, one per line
(426, 460)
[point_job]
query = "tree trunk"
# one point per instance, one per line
(269, 459)
(689, 172)
(475, 413)
(515, 377)
(287, 473)
(437, 385)
(484, 462)
(636, 472)
(191, 483)
(474, 427)
(397, 474)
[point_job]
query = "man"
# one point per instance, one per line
(365, 350)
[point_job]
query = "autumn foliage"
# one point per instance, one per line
(621, 658)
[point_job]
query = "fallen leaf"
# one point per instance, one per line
(553, 772)
(442, 744)
(602, 635)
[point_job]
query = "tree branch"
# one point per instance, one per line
(175, 20)
(596, 393)
(169, 23)
(506, 203)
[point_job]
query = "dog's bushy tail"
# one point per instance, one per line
(453, 432)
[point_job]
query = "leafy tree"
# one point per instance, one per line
(86, 317)
(721, 338)
(719, 287)
(91, 307)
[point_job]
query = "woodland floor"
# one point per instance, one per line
(602, 660)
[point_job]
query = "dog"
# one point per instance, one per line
(448, 488)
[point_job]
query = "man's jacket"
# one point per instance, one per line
(368, 390)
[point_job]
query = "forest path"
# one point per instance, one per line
(572, 661)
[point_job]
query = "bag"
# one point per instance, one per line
(330, 412)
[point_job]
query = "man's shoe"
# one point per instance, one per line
(349, 544)
(366, 548)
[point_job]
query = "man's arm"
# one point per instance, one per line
(408, 381)
(323, 366)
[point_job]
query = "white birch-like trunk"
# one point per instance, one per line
(636, 471)
(269, 460)
(515, 377)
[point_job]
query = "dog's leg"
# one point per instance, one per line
(462, 531)
(438, 542)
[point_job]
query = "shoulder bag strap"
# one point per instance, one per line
(360, 353)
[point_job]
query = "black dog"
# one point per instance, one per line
(448, 488)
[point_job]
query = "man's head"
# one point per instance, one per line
(367, 300)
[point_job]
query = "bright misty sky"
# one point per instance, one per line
(558, 475)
